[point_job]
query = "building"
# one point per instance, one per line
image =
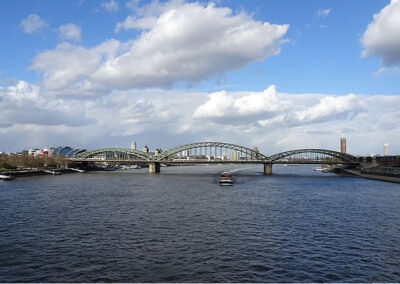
(145, 149)
(66, 151)
(133, 145)
(343, 143)
(386, 149)
(185, 153)
(254, 155)
(236, 155)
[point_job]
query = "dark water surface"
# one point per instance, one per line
(180, 226)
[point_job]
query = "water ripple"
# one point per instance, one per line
(180, 226)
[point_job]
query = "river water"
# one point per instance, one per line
(181, 226)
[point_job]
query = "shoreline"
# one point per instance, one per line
(35, 172)
(374, 175)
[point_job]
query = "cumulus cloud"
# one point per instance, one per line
(110, 6)
(67, 68)
(382, 36)
(33, 23)
(22, 104)
(271, 120)
(222, 104)
(271, 109)
(145, 17)
(70, 32)
(180, 42)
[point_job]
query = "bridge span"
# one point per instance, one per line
(212, 153)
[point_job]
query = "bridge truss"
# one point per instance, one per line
(304, 156)
(216, 152)
(117, 154)
(211, 150)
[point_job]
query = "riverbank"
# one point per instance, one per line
(11, 174)
(369, 174)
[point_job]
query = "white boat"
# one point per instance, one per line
(5, 177)
(323, 168)
(225, 178)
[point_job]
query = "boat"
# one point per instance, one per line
(6, 177)
(225, 178)
(51, 172)
(323, 168)
(109, 168)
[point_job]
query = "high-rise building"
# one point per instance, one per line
(145, 149)
(343, 143)
(236, 155)
(254, 155)
(133, 145)
(386, 149)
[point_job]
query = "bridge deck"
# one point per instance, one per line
(177, 162)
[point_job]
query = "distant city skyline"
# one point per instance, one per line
(278, 75)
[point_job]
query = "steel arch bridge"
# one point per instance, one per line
(196, 152)
(327, 156)
(244, 151)
(113, 153)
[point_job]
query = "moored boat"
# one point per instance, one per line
(109, 168)
(6, 177)
(225, 178)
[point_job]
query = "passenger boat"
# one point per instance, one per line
(225, 178)
(324, 168)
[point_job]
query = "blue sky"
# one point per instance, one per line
(323, 55)
(130, 59)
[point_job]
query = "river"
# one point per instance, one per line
(181, 226)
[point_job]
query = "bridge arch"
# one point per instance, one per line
(247, 152)
(114, 152)
(336, 157)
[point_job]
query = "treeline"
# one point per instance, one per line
(15, 161)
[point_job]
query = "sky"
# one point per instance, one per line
(279, 75)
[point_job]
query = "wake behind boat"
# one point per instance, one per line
(225, 178)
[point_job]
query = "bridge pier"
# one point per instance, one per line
(268, 169)
(154, 168)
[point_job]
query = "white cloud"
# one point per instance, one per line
(323, 13)
(22, 103)
(184, 42)
(145, 16)
(110, 6)
(222, 104)
(271, 120)
(70, 32)
(269, 108)
(330, 107)
(33, 23)
(67, 68)
(382, 36)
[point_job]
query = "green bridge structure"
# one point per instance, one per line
(213, 153)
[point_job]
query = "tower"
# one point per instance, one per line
(145, 149)
(386, 149)
(343, 143)
(133, 145)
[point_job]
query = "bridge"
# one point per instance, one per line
(213, 153)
